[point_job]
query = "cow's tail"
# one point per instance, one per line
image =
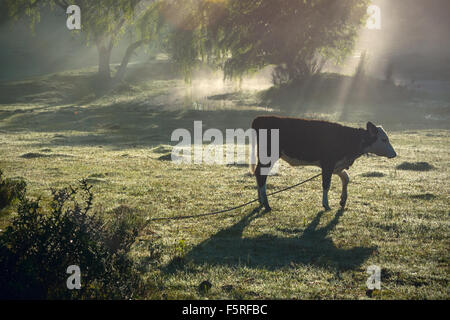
(254, 150)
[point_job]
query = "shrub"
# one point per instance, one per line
(41, 242)
(10, 190)
(123, 227)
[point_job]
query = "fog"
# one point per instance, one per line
(413, 38)
(52, 48)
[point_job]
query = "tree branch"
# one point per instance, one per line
(119, 26)
(25, 6)
(62, 4)
(126, 59)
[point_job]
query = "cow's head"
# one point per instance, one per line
(380, 144)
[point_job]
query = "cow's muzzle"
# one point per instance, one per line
(393, 155)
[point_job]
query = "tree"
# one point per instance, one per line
(297, 36)
(103, 23)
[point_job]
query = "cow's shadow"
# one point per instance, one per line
(309, 246)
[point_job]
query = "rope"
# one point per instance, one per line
(233, 208)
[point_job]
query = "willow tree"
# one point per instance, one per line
(297, 36)
(103, 24)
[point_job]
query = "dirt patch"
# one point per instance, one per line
(165, 157)
(162, 149)
(415, 166)
(97, 175)
(374, 174)
(35, 155)
(424, 196)
(95, 180)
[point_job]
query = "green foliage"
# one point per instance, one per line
(103, 23)
(194, 33)
(39, 245)
(298, 36)
(100, 19)
(10, 190)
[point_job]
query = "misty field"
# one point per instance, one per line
(397, 214)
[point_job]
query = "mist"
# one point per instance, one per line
(93, 205)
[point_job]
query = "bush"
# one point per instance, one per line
(39, 245)
(10, 190)
(123, 228)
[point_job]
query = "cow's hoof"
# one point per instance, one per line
(327, 208)
(267, 208)
(342, 203)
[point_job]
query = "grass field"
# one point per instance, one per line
(397, 215)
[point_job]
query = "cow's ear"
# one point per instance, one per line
(372, 129)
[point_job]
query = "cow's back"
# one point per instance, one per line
(311, 140)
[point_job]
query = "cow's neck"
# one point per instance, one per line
(365, 141)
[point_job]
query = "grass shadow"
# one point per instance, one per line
(311, 246)
(122, 125)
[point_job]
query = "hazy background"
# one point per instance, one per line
(52, 48)
(414, 37)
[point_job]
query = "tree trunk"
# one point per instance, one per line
(104, 57)
(126, 59)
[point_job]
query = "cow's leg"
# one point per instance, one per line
(262, 188)
(261, 177)
(344, 179)
(327, 171)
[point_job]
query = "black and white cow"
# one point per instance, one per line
(331, 146)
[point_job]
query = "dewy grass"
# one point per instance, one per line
(397, 220)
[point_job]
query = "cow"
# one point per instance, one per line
(330, 146)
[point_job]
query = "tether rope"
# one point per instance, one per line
(233, 208)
